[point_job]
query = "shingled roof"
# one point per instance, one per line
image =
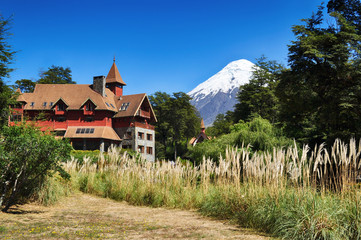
(134, 102)
(74, 95)
(114, 75)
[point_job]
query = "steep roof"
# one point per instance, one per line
(134, 103)
(74, 95)
(114, 75)
(202, 124)
(20, 97)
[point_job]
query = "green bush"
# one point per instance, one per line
(80, 154)
(259, 133)
(27, 157)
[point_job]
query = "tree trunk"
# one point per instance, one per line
(2, 197)
(10, 202)
(175, 151)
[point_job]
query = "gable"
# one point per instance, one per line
(130, 105)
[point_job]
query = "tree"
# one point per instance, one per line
(25, 85)
(258, 96)
(27, 157)
(221, 125)
(349, 9)
(320, 95)
(177, 120)
(6, 56)
(56, 75)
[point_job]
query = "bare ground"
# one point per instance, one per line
(83, 216)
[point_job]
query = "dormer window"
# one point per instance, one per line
(51, 104)
(44, 104)
(124, 106)
(61, 107)
(89, 107)
(32, 104)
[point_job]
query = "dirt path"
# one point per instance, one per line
(82, 216)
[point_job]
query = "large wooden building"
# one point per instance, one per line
(91, 116)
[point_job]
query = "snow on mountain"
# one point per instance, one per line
(218, 93)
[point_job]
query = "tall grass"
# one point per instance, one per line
(52, 189)
(306, 194)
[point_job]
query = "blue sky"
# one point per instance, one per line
(159, 45)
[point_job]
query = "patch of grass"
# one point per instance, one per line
(2, 229)
(290, 193)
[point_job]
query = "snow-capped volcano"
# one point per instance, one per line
(218, 93)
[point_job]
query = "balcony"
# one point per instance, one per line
(143, 113)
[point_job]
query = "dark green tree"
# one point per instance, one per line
(258, 96)
(221, 125)
(177, 121)
(25, 85)
(6, 57)
(320, 95)
(349, 9)
(56, 75)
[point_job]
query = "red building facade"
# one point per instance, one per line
(91, 116)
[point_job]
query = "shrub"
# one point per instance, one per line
(259, 133)
(27, 158)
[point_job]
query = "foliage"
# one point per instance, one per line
(27, 156)
(320, 95)
(349, 9)
(6, 57)
(25, 85)
(56, 75)
(52, 189)
(177, 121)
(6, 53)
(258, 96)
(221, 125)
(259, 133)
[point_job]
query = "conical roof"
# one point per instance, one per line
(202, 124)
(114, 75)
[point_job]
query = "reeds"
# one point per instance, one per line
(292, 192)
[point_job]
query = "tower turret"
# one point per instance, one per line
(114, 81)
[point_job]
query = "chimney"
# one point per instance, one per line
(99, 85)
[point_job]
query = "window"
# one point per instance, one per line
(15, 118)
(51, 104)
(124, 106)
(60, 133)
(60, 119)
(149, 137)
(112, 105)
(44, 104)
(84, 130)
(141, 149)
(89, 119)
(61, 107)
(32, 104)
(89, 107)
(107, 104)
(140, 135)
(149, 150)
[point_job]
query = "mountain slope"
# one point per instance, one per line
(218, 93)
